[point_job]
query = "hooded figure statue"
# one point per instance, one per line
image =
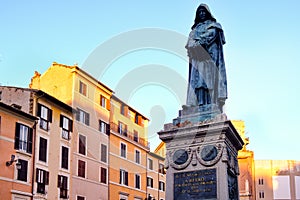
(207, 74)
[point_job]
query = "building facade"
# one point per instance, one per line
(277, 179)
(50, 140)
(246, 165)
(156, 177)
(54, 138)
(17, 155)
(110, 150)
(128, 152)
(91, 101)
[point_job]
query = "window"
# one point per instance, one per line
(122, 129)
(137, 181)
(83, 117)
(260, 181)
(297, 167)
(135, 136)
(42, 179)
(261, 194)
(43, 150)
(62, 184)
(104, 127)
(103, 153)
(45, 115)
(150, 164)
(123, 177)
(82, 88)
(64, 157)
(81, 168)
(161, 186)
(104, 102)
(22, 172)
(80, 198)
(66, 126)
(123, 197)
(123, 150)
(136, 119)
(122, 109)
(103, 175)
(23, 138)
(82, 144)
(137, 156)
(149, 182)
(161, 169)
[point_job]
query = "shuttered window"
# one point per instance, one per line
(23, 138)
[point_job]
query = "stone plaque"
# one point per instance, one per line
(193, 185)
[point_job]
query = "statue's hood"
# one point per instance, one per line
(203, 5)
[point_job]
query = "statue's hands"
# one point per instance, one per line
(190, 46)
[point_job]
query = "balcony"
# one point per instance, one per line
(44, 124)
(65, 134)
(125, 133)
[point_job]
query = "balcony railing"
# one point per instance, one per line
(44, 124)
(114, 127)
(65, 134)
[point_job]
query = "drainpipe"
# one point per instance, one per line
(34, 105)
(33, 156)
(158, 181)
(147, 174)
(108, 160)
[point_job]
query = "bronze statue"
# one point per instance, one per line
(207, 74)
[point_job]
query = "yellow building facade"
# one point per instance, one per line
(156, 176)
(91, 101)
(246, 165)
(128, 152)
(277, 179)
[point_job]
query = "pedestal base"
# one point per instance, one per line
(196, 114)
(201, 158)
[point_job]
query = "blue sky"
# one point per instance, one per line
(261, 56)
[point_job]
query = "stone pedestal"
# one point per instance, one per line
(201, 156)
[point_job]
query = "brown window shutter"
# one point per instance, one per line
(71, 125)
(140, 120)
(107, 104)
(50, 115)
(61, 121)
(126, 110)
(17, 136)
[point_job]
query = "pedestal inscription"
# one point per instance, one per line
(192, 185)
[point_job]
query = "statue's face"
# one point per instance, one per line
(202, 14)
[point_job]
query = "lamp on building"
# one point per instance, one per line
(12, 160)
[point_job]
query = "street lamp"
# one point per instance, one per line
(12, 160)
